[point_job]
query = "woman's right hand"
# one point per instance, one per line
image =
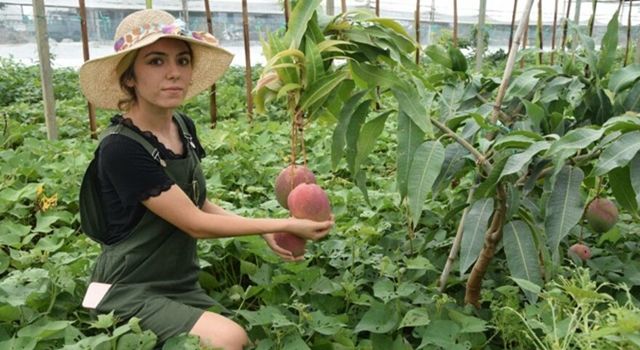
(309, 229)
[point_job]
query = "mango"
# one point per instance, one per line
(601, 215)
(291, 242)
(309, 201)
(581, 251)
(289, 178)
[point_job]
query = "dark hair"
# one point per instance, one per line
(129, 75)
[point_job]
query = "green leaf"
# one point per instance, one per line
(458, 61)
(369, 76)
(564, 207)
(298, 21)
(44, 328)
(474, 229)
(439, 55)
(409, 103)
(340, 132)
(522, 255)
(267, 315)
(313, 65)
(618, 153)
(524, 84)
(624, 77)
(632, 101)
(454, 160)
(410, 137)
(517, 139)
(368, 137)
(415, 317)
(353, 135)
(384, 290)
(321, 88)
(574, 140)
(380, 318)
(516, 162)
(620, 180)
(625, 123)
(634, 171)
(424, 170)
(488, 186)
(325, 325)
(468, 324)
(608, 46)
(535, 113)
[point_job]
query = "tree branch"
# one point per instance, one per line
(480, 158)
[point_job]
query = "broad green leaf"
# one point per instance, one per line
(634, 171)
(524, 84)
(535, 113)
(632, 101)
(293, 341)
(323, 324)
(618, 153)
(321, 88)
(574, 140)
(458, 61)
(424, 170)
(380, 318)
(353, 135)
(522, 255)
(564, 207)
(608, 47)
(340, 132)
(267, 315)
(11, 233)
(369, 76)
(454, 160)
(284, 91)
(624, 77)
(527, 286)
(5, 260)
(384, 290)
(488, 186)
(443, 334)
(626, 123)
(517, 139)
(468, 324)
(450, 100)
(439, 55)
(298, 21)
(410, 137)
(620, 181)
(313, 65)
(474, 229)
(20, 285)
(415, 317)
(516, 162)
(43, 328)
(391, 24)
(409, 102)
(369, 136)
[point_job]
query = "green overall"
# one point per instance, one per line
(154, 271)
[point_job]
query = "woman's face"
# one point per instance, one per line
(162, 73)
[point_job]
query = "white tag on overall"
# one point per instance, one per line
(95, 292)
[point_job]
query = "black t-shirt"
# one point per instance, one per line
(128, 175)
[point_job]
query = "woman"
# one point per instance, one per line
(143, 196)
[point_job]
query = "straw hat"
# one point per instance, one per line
(99, 78)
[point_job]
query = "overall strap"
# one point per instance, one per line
(125, 131)
(185, 131)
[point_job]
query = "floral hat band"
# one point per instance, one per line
(178, 27)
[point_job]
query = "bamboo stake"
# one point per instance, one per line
(455, 248)
(540, 41)
(85, 55)
(287, 12)
(553, 32)
(637, 58)
(510, 62)
(185, 12)
(417, 21)
(593, 16)
(377, 8)
(525, 39)
(565, 26)
(213, 103)
(480, 35)
(330, 7)
(513, 21)
(626, 50)
(46, 72)
(455, 23)
(344, 6)
(247, 59)
(149, 4)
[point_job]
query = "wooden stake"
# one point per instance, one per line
(344, 6)
(480, 35)
(185, 12)
(213, 105)
(593, 17)
(331, 7)
(565, 27)
(455, 23)
(553, 32)
(377, 8)
(417, 22)
(46, 73)
(287, 13)
(539, 29)
(85, 55)
(247, 60)
(513, 21)
(626, 50)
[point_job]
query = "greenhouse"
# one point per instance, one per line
(320, 174)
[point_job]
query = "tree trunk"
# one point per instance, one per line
(480, 35)
(46, 73)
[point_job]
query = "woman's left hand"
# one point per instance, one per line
(283, 253)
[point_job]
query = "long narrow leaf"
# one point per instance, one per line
(575, 140)
(298, 21)
(314, 67)
(340, 132)
(368, 137)
(321, 88)
(474, 229)
(353, 135)
(624, 77)
(564, 207)
(522, 255)
(410, 137)
(634, 173)
(370, 76)
(409, 102)
(424, 170)
(608, 46)
(622, 189)
(618, 154)
(517, 161)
